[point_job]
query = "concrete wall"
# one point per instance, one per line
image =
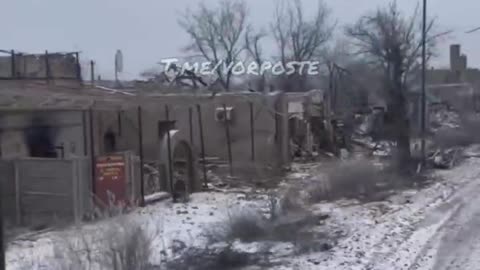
(7, 182)
(45, 191)
(35, 66)
(460, 97)
(67, 127)
(268, 113)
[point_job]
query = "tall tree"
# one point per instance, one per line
(299, 38)
(217, 34)
(392, 42)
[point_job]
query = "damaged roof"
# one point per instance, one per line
(34, 95)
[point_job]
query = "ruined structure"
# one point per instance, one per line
(64, 66)
(177, 134)
(458, 71)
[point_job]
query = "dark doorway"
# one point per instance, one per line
(110, 141)
(40, 139)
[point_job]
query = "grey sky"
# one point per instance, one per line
(147, 31)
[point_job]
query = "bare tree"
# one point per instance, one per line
(254, 48)
(299, 38)
(392, 43)
(217, 33)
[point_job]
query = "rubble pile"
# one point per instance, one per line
(444, 119)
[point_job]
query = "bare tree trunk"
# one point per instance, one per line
(400, 118)
(403, 141)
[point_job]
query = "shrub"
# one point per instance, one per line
(123, 245)
(245, 225)
(352, 180)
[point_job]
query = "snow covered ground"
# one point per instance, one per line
(390, 235)
(380, 235)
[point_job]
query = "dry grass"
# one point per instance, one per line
(465, 135)
(286, 221)
(243, 225)
(221, 258)
(353, 180)
(122, 246)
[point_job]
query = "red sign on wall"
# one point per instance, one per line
(111, 182)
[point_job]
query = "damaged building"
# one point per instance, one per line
(78, 132)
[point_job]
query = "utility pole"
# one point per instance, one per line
(92, 72)
(424, 68)
(2, 237)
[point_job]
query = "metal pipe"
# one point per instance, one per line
(14, 72)
(252, 131)
(47, 67)
(229, 143)
(140, 154)
(119, 122)
(92, 149)
(92, 72)
(202, 145)
(2, 240)
(190, 123)
(84, 130)
(169, 152)
(79, 69)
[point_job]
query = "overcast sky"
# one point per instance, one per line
(147, 31)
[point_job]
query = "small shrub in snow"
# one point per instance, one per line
(351, 180)
(122, 246)
(244, 225)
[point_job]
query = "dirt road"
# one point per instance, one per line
(456, 245)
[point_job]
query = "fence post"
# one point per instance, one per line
(119, 120)
(79, 69)
(140, 153)
(92, 150)
(47, 67)
(76, 215)
(190, 123)
(229, 143)
(18, 195)
(202, 145)
(252, 131)
(2, 240)
(92, 72)
(169, 152)
(12, 63)
(84, 130)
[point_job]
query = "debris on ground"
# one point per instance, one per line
(444, 118)
(445, 159)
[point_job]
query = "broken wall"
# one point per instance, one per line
(270, 122)
(40, 66)
(66, 129)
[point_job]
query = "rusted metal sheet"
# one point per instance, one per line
(111, 180)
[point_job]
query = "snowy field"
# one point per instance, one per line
(379, 235)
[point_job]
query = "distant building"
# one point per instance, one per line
(16, 65)
(458, 72)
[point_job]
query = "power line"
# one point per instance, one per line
(472, 30)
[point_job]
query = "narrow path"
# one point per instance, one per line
(456, 245)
